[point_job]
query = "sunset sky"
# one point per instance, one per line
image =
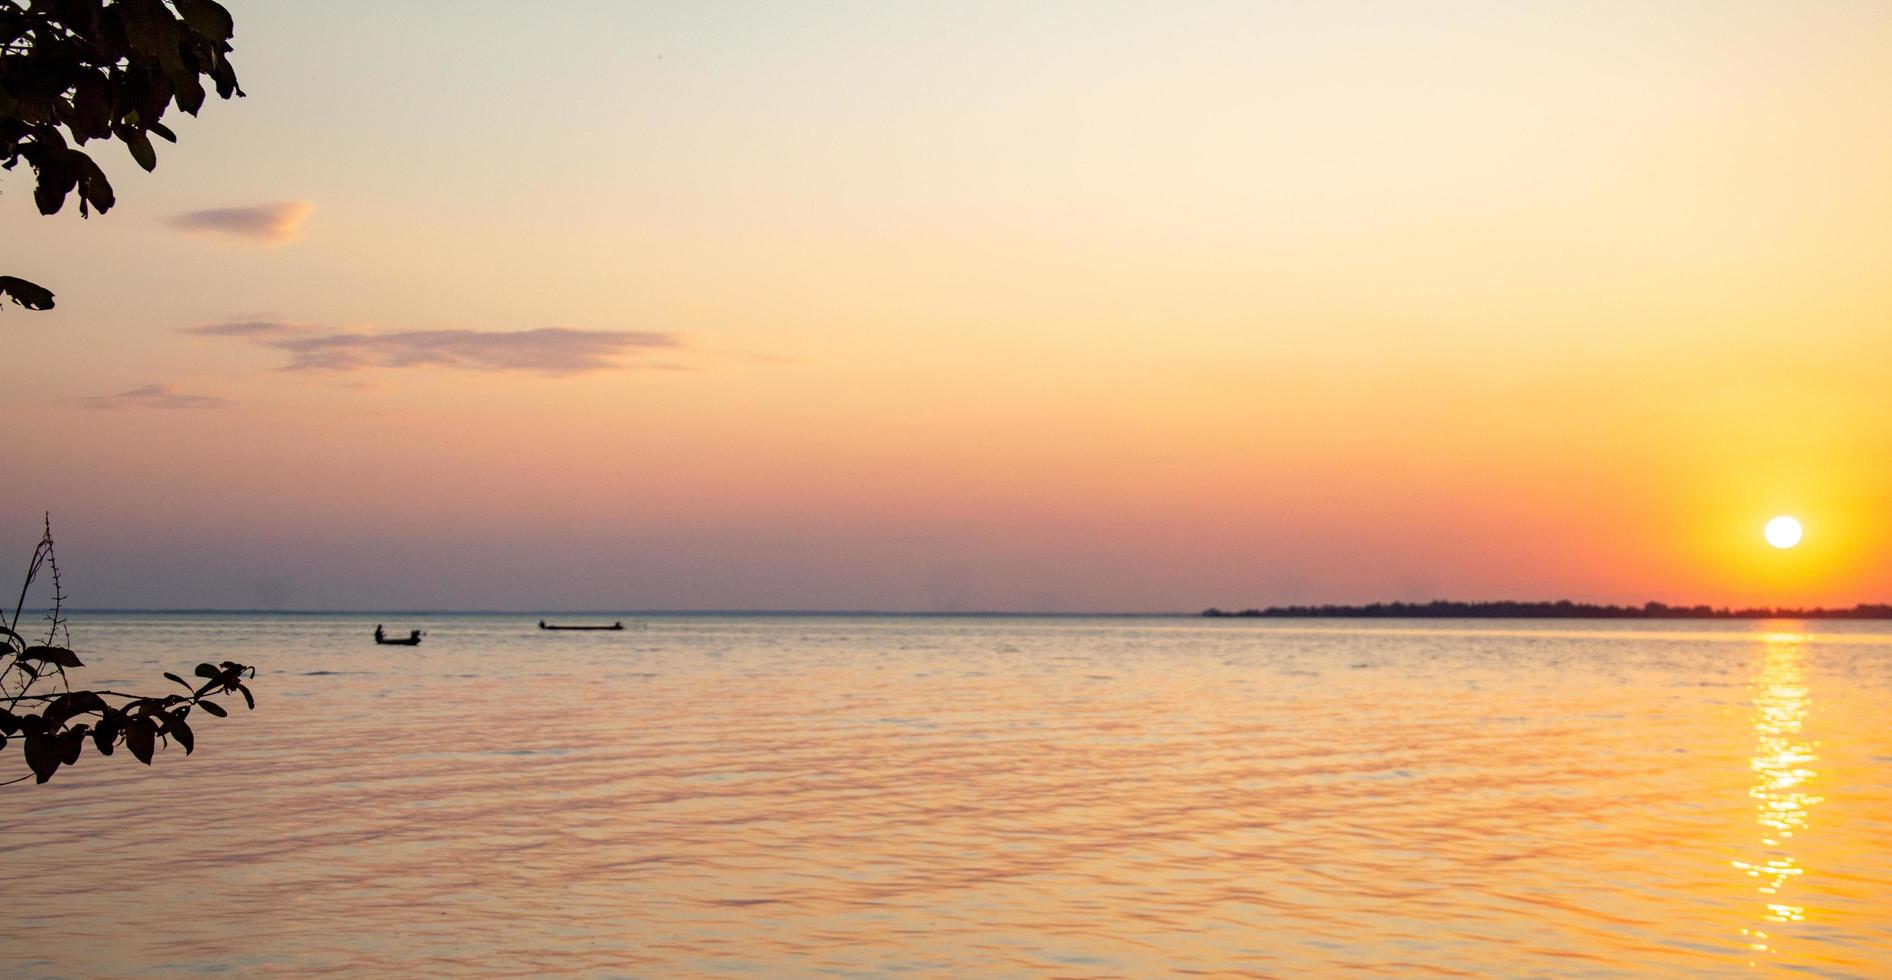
(592, 305)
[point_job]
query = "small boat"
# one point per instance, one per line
(412, 639)
(614, 626)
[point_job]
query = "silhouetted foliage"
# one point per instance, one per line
(53, 727)
(102, 70)
(1563, 609)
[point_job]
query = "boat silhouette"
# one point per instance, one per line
(549, 626)
(412, 639)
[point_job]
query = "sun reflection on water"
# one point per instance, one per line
(1783, 781)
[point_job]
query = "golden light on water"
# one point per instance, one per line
(1782, 532)
(1784, 777)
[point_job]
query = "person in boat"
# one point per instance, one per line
(379, 633)
(414, 635)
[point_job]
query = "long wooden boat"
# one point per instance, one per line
(548, 626)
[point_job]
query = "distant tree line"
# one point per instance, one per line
(1562, 609)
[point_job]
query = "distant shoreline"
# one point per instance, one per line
(536, 613)
(1564, 609)
(1378, 610)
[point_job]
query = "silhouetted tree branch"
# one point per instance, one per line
(54, 726)
(73, 71)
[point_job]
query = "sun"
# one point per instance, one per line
(1782, 532)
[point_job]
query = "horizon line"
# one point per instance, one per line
(1282, 611)
(209, 610)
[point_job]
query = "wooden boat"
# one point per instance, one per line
(412, 639)
(548, 626)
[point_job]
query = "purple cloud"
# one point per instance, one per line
(245, 328)
(152, 396)
(264, 224)
(547, 350)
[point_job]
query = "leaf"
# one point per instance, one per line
(164, 131)
(177, 729)
(52, 655)
(178, 679)
(32, 296)
(140, 146)
(9, 722)
(3, 630)
(71, 744)
(43, 755)
(71, 705)
(207, 17)
(149, 29)
(107, 733)
(206, 670)
(57, 178)
(141, 739)
(247, 697)
(190, 91)
(214, 708)
(94, 188)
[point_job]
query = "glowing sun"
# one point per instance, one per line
(1782, 532)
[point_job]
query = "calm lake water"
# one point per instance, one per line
(787, 796)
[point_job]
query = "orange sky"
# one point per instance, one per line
(1100, 307)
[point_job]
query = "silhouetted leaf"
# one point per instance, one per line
(214, 708)
(178, 679)
(177, 729)
(165, 131)
(190, 92)
(9, 722)
(107, 733)
(43, 755)
(149, 29)
(141, 150)
(94, 188)
(57, 178)
(141, 739)
(247, 697)
(30, 295)
(52, 655)
(207, 17)
(71, 743)
(4, 631)
(71, 705)
(206, 670)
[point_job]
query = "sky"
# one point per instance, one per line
(980, 306)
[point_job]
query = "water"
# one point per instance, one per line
(954, 797)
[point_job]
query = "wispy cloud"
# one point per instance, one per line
(547, 350)
(152, 396)
(263, 224)
(246, 328)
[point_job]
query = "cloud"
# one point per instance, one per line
(245, 328)
(152, 396)
(264, 224)
(547, 350)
